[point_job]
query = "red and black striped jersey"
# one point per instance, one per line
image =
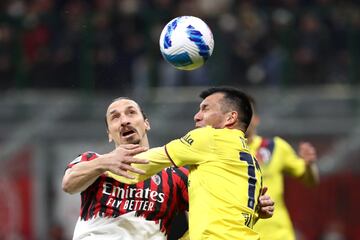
(157, 199)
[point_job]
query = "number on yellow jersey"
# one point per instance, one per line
(244, 156)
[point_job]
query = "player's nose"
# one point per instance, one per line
(124, 121)
(197, 117)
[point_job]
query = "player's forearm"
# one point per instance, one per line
(81, 176)
(311, 176)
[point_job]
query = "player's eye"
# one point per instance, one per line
(115, 116)
(205, 108)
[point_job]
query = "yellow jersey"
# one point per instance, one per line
(276, 157)
(224, 181)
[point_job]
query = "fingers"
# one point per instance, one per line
(266, 201)
(267, 212)
(263, 190)
(119, 161)
(130, 149)
(307, 151)
(129, 160)
(141, 161)
(130, 168)
(267, 208)
(137, 150)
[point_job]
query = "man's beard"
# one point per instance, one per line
(133, 140)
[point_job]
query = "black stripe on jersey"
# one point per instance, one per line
(157, 207)
(165, 221)
(141, 212)
(103, 200)
(116, 211)
(181, 173)
(252, 186)
(84, 206)
(87, 200)
(94, 208)
(184, 179)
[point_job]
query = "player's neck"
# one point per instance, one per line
(250, 138)
(144, 142)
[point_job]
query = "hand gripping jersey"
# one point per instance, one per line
(224, 181)
(114, 210)
(276, 157)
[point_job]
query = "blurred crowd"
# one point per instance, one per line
(107, 44)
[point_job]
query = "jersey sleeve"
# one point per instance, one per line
(84, 157)
(158, 160)
(293, 165)
(192, 149)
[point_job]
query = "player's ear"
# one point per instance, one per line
(256, 120)
(147, 125)
(109, 136)
(231, 118)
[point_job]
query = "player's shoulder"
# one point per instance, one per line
(83, 157)
(88, 155)
(198, 135)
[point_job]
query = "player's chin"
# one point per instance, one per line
(199, 125)
(130, 140)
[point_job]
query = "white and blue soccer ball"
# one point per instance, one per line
(186, 42)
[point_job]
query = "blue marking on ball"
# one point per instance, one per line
(178, 60)
(170, 28)
(196, 37)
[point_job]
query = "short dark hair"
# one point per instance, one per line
(235, 98)
(121, 98)
(253, 103)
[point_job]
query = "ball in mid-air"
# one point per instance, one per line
(186, 42)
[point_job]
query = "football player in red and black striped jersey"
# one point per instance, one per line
(114, 210)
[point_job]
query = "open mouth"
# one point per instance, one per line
(127, 133)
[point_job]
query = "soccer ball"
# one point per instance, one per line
(186, 42)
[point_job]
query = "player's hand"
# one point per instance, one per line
(266, 205)
(308, 152)
(121, 158)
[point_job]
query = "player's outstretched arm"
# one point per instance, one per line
(308, 152)
(83, 174)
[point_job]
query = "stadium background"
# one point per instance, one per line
(62, 61)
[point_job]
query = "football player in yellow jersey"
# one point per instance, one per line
(225, 180)
(277, 157)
